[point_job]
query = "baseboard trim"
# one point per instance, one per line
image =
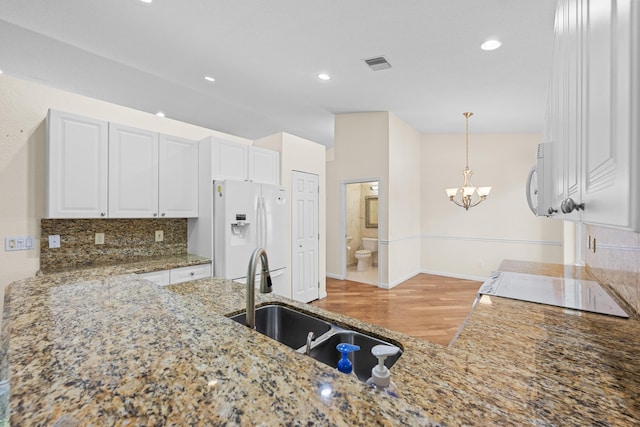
(397, 282)
(334, 276)
(455, 275)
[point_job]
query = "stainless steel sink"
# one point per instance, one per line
(325, 352)
(291, 328)
(285, 325)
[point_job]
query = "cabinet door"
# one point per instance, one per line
(178, 172)
(607, 141)
(264, 166)
(133, 172)
(229, 160)
(77, 166)
(162, 277)
(185, 274)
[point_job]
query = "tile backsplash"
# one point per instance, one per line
(125, 240)
(615, 261)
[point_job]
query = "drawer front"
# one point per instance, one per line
(184, 274)
(161, 277)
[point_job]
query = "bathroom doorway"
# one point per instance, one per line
(360, 226)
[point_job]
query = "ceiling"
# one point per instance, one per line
(265, 57)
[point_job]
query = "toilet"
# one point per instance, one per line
(364, 255)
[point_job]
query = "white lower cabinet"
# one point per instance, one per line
(194, 272)
(178, 275)
(161, 277)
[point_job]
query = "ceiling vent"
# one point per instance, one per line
(378, 63)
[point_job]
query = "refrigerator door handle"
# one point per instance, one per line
(264, 223)
(259, 223)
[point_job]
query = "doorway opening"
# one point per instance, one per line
(360, 226)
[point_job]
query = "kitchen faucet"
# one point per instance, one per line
(265, 283)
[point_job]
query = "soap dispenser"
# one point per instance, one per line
(380, 376)
(344, 364)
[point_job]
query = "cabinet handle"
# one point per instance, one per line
(568, 205)
(192, 273)
(155, 214)
(163, 214)
(551, 211)
(102, 214)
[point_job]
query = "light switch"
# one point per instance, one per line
(18, 243)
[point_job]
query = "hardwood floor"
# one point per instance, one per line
(428, 307)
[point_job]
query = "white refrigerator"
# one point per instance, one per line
(247, 216)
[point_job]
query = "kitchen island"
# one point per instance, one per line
(101, 347)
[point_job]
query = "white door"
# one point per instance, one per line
(178, 171)
(133, 172)
(77, 157)
(304, 236)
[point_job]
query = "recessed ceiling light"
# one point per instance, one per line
(146, 1)
(209, 79)
(0, 71)
(323, 76)
(490, 45)
(160, 114)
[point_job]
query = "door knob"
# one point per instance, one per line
(568, 205)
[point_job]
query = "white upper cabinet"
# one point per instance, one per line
(133, 172)
(264, 166)
(229, 160)
(593, 106)
(609, 193)
(97, 169)
(236, 161)
(77, 166)
(178, 177)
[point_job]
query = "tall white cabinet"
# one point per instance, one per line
(77, 166)
(593, 110)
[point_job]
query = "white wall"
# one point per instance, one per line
(360, 152)
(302, 155)
(472, 243)
(23, 110)
(403, 239)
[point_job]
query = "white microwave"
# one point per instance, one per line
(539, 188)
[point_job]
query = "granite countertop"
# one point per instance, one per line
(137, 265)
(113, 350)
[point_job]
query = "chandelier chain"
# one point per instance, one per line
(467, 115)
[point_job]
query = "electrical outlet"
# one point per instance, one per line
(159, 235)
(99, 239)
(54, 241)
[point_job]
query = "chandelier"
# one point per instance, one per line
(467, 195)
